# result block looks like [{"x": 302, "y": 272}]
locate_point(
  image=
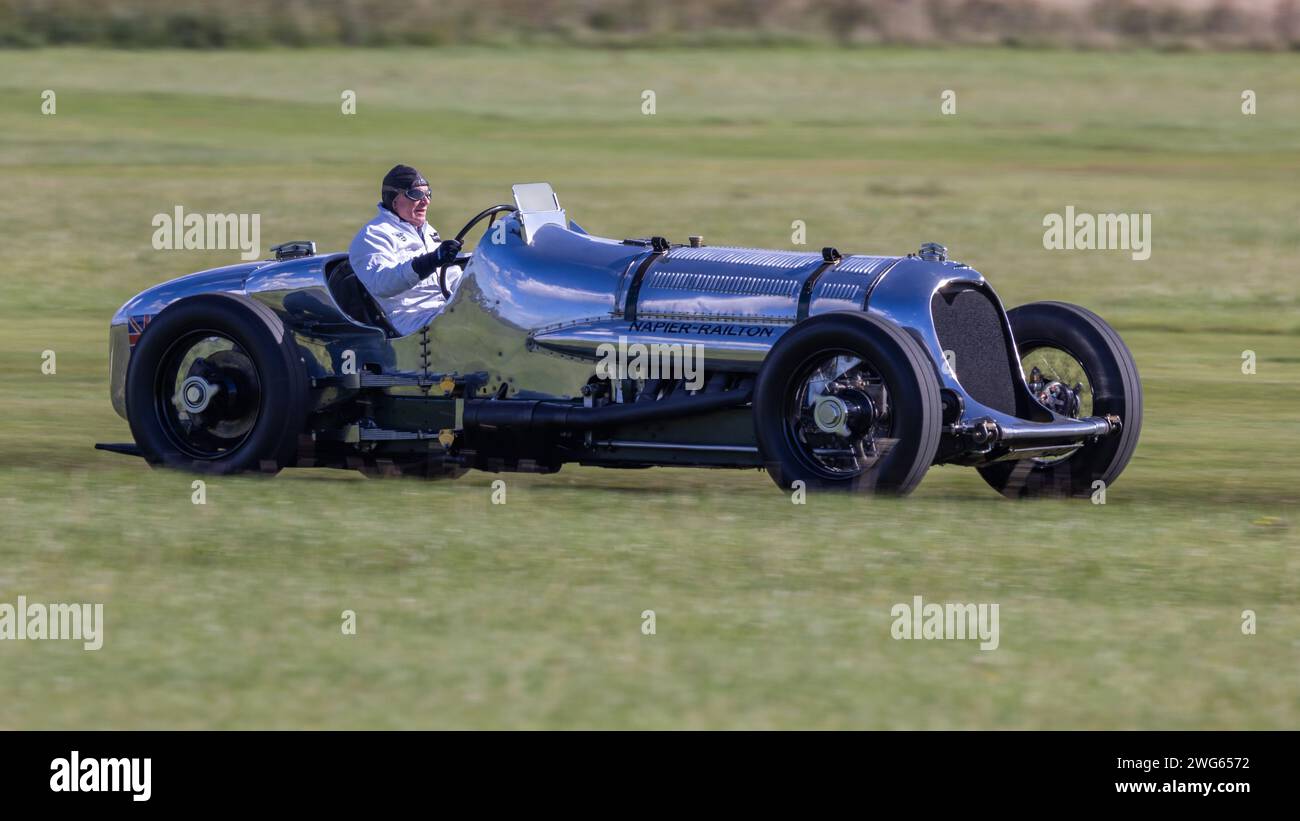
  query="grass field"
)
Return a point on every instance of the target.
[{"x": 528, "y": 614}]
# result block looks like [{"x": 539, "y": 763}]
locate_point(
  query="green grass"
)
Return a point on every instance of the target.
[{"x": 768, "y": 614}]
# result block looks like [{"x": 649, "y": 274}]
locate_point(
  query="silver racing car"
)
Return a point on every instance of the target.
[{"x": 829, "y": 371}]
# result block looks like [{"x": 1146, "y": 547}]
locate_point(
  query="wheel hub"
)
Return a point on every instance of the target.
[
  {"x": 196, "y": 393},
  {"x": 1054, "y": 395},
  {"x": 209, "y": 395},
  {"x": 844, "y": 414},
  {"x": 831, "y": 415},
  {"x": 838, "y": 409}
]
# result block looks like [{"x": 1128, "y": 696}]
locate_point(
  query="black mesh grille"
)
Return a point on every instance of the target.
[{"x": 968, "y": 324}]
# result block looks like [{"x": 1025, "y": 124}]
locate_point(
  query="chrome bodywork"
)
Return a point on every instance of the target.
[
  {"x": 149, "y": 302},
  {"x": 904, "y": 296},
  {"x": 539, "y": 296}
]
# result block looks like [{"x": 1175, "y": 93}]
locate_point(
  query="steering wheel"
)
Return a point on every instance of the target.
[{"x": 479, "y": 217}]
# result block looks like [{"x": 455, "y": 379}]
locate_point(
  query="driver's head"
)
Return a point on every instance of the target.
[{"x": 406, "y": 194}]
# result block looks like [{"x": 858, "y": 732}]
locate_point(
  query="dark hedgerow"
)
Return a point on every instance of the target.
[{"x": 1264, "y": 24}]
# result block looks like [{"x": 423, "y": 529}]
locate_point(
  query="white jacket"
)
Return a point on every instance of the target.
[{"x": 381, "y": 255}]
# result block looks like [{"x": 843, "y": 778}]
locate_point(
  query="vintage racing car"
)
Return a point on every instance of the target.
[{"x": 837, "y": 372}]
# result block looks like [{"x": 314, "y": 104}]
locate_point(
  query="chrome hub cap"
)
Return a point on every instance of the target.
[
  {"x": 831, "y": 415},
  {"x": 196, "y": 393}
]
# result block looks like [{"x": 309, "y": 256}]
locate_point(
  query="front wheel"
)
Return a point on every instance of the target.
[
  {"x": 847, "y": 401},
  {"x": 1078, "y": 366},
  {"x": 215, "y": 386}
]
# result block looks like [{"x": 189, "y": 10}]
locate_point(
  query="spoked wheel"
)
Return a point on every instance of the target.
[
  {"x": 208, "y": 395},
  {"x": 847, "y": 401},
  {"x": 1060, "y": 383},
  {"x": 838, "y": 418},
  {"x": 1077, "y": 365},
  {"x": 215, "y": 385}
]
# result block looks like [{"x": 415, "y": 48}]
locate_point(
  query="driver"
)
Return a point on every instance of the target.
[{"x": 397, "y": 254}]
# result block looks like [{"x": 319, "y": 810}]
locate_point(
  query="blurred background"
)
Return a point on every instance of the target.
[
  {"x": 1260, "y": 24},
  {"x": 528, "y": 614}
]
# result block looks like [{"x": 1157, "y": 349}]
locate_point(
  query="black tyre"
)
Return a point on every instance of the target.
[
  {"x": 847, "y": 401},
  {"x": 1073, "y": 346},
  {"x": 215, "y": 385}
]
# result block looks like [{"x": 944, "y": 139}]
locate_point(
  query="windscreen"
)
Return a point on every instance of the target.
[{"x": 536, "y": 196}]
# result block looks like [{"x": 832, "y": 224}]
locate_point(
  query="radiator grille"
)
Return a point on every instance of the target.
[{"x": 969, "y": 325}]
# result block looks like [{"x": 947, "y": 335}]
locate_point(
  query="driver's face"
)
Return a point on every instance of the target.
[{"x": 413, "y": 211}]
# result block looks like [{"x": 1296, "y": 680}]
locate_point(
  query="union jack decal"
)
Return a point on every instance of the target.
[{"x": 135, "y": 326}]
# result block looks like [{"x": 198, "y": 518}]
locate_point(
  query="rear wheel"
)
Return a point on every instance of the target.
[
  {"x": 1078, "y": 366},
  {"x": 215, "y": 386},
  {"x": 847, "y": 401}
]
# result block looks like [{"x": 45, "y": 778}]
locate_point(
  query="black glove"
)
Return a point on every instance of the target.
[
  {"x": 445, "y": 254},
  {"x": 447, "y": 251}
]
